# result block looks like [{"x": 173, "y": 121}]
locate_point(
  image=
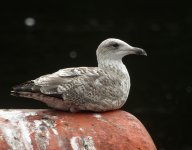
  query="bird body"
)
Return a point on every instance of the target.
[{"x": 101, "y": 88}]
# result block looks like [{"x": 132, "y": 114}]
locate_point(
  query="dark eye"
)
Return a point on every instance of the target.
[{"x": 115, "y": 45}]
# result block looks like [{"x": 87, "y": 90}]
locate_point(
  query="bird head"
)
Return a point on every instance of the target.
[{"x": 116, "y": 49}]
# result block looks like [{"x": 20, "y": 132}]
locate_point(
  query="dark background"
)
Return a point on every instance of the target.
[{"x": 67, "y": 33}]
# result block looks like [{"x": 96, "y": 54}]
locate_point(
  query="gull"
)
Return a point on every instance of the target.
[{"x": 97, "y": 89}]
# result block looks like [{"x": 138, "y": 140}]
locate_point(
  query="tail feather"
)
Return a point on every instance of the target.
[
  {"x": 30, "y": 87},
  {"x": 26, "y": 87}
]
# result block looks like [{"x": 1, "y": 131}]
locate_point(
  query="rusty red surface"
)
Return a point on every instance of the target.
[{"x": 57, "y": 130}]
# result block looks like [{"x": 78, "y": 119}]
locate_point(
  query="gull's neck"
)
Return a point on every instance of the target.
[{"x": 113, "y": 65}]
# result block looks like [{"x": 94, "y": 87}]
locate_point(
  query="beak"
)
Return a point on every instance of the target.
[{"x": 138, "y": 51}]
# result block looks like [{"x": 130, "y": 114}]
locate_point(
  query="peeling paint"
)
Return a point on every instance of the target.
[
  {"x": 48, "y": 130},
  {"x": 49, "y": 122},
  {"x": 42, "y": 131},
  {"x": 42, "y": 135},
  {"x": 12, "y": 139},
  {"x": 89, "y": 143},
  {"x": 55, "y": 131},
  {"x": 74, "y": 143},
  {"x": 83, "y": 143},
  {"x": 19, "y": 138},
  {"x": 37, "y": 123},
  {"x": 25, "y": 134},
  {"x": 17, "y": 131}
]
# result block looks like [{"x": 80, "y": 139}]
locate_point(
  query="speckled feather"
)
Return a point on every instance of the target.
[{"x": 101, "y": 88}]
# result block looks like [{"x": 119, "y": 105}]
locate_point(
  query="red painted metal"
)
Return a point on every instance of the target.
[{"x": 57, "y": 130}]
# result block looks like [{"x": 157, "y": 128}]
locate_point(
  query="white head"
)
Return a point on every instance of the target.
[{"x": 115, "y": 49}]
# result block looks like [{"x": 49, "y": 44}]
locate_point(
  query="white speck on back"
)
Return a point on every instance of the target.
[{"x": 98, "y": 116}]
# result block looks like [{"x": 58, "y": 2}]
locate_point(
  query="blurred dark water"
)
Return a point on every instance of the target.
[{"x": 39, "y": 37}]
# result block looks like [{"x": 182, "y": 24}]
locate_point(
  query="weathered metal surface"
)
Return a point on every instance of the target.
[{"x": 57, "y": 130}]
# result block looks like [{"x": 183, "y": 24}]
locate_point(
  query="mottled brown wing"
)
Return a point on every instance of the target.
[{"x": 77, "y": 84}]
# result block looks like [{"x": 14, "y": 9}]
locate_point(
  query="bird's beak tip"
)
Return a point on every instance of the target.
[
  {"x": 140, "y": 51},
  {"x": 144, "y": 53}
]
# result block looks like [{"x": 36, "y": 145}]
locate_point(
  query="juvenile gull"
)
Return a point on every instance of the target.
[{"x": 101, "y": 88}]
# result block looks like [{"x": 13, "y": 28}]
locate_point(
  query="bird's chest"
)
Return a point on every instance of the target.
[
  {"x": 123, "y": 84},
  {"x": 118, "y": 78}
]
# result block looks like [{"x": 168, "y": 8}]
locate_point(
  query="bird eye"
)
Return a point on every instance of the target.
[{"x": 115, "y": 45}]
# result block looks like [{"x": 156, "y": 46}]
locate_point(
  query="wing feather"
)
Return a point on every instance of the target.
[{"x": 72, "y": 83}]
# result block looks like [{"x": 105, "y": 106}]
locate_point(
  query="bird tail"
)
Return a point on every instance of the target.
[
  {"x": 28, "y": 86},
  {"x": 30, "y": 90}
]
